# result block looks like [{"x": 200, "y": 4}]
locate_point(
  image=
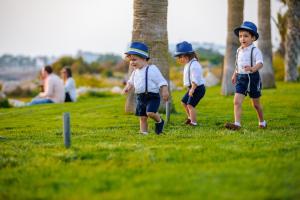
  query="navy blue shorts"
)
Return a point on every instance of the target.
[
  {"x": 147, "y": 103},
  {"x": 242, "y": 82},
  {"x": 197, "y": 96}
]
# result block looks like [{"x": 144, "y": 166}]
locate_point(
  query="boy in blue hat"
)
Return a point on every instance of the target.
[
  {"x": 246, "y": 76},
  {"x": 192, "y": 79},
  {"x": 147, "y": 82}
]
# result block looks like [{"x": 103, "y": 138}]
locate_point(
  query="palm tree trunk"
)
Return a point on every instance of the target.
[
  {"x": 234, "y": 19},
  {"x": 150, "y": 27},
  {"x": 265, "y": 44},
  {"x": 292, "y": 42}
]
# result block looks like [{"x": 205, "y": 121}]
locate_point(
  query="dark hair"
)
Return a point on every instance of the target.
[
  {"x": 68, "y": 71},
  {"x": 191, "y": 55},
  {"x": 251, "y": 33},
  {"x": 147, "y": 59},
  {"x": 48, "y": 69}
]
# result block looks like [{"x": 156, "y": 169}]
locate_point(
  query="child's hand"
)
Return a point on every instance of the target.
[
  {"x": 125, "y": 90},
  {"x": 233, "y": 79},
  {"x": 247, "y": 68},
  {"x": 165, "y": 93},
  {"x": 191, "y": 92}
]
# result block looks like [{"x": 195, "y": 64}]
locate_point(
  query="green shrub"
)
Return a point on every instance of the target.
[
  {"x": 108, "y": 73},
  {"x": 19, "y": 92},
  {"x": 278, "y": 64},
  {"x": 95, "y": 94},
  {"x": 4, "y": 103}
]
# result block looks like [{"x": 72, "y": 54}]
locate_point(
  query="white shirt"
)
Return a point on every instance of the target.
[
  {"x": 54, "y": 89},
  {"x": 70, "y": 87},
  {"x": 196, "y": 73},
  {"x": 243, "y": 58},
  {"x": 155, "y": 79}
]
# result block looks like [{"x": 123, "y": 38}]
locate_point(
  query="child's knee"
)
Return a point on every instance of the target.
[
  {"x": 143, "y": 118},
  {"x": 189, "y": 106},
  {"x": 151, "y": 114},
  {"x": 237, "y": 102},
  {"x": 256, "y": 105}
]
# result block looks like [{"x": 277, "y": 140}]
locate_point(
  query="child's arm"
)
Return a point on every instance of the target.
[
  {"x": 161, "y": 82},
  {"x": 192, "y": 90},
  {"x": 233, "y": 78},
  {"x": 129, "y": 84},
  {"x": 255, "y": 68},
  {"x": 127, "y": 88},
  {"x": 164, "y": 92}
]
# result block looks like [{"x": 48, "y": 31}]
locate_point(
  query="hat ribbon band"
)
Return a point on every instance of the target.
[{"x": 139, "y": 51}]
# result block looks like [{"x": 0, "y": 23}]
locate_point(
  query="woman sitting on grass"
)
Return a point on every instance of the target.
[{"x": 69, "y": 82}]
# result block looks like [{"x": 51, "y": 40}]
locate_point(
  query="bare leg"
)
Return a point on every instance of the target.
[
  {"x": 192, "y": 112},
  {"x": 154, "y": 116},
  {"x": 238, "y": 100},
  {"x": 256, "y": 104},
  {"x": 143, "y": 124},
  {"x": 186, "y": 110}
]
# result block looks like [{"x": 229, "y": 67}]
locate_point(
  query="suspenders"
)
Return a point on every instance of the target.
[
  {"x": 251, "y": 56},
  {"x": 251, "y": 65},
  {"x": 189, "y": 72},
  {"x": 146, "y": 80},
  {"x": 236, "y": 58}
]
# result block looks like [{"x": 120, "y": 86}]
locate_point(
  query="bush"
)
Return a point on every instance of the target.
[
  {"x": 108, "y": 73},
  {"x": 22, "y": 92},
  {"x": 278, "y": 64},
  {"x": 94, "y": 94},
  {"x": 4, "y": 103}
]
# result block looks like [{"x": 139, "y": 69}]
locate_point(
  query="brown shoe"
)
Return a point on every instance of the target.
[
  {"x": 232, "y": 126},
  {"x": 187, "y": 121}
]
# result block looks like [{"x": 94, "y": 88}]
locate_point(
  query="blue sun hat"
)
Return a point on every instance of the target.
[
  {"x": 183, "y": 48},
  {"x": 248, "y": 26},
  {"x": 138, "y": 48}
]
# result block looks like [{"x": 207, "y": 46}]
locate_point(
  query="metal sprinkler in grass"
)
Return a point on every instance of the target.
[
  {"x": 66, "y": 129},
  {"x": 167, "y": 112}
]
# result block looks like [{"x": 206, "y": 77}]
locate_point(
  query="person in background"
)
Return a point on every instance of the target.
[
  {"x": 70, "y": 86},
  {"x": 41, "y": 81},
  {"x": 53, "y": 89},
  {"x": 192, "y": 79}
]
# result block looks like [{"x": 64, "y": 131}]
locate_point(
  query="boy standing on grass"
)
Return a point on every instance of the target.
[
  {"x": 147, "y": 82},
  {"x": 192, "y": 79},
  {"x": 246, "y": 76}
]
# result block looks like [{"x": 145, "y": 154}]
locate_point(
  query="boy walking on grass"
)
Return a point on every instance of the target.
[
  {"x": 192, "y": 79},
  {"x": 147, "y": 82},
  {"x": 246, "y": 76}
]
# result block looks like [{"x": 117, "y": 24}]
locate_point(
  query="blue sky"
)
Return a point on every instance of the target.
[{"x": 62, "y": 27}]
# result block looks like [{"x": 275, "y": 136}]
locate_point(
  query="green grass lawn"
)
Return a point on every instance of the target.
[{"x": 109, "y": 159}]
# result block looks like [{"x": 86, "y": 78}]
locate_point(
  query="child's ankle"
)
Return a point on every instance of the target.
[{"x": 144, "y": 132}]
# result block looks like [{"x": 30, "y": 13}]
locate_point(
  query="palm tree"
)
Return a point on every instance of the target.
[
  {"x": 265, "y": 44},
  {"x": 150, "y": 27},
  {"x": 281, "y": 24},
  {"x": 292, "y": 42},
  {"x": 234, "y": 19}
]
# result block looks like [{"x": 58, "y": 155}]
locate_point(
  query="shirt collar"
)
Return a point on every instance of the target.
[
  {"x": 190, "y": 61},
  {"x": 247, "y": 48}
]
